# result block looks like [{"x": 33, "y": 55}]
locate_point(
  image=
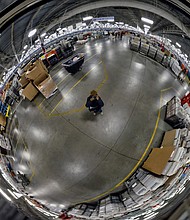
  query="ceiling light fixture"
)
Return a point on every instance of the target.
[
  {"x": 147, "y": 20},
  {"x": 146, "y": 26},
  {"x": 25, "y": 47},
  {"x": 58, "y": 29},
  {"x": 87, "y": 18},
  {"x": 42, "y": 35},
  {"x": 178, "y": 44},
  {"x": 32, "y": 32}
]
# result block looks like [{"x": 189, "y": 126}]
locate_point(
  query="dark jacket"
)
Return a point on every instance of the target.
[{"x": 95, "y": 104}]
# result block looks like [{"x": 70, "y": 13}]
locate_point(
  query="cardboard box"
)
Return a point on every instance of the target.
[
  {"x": 39, "y": 63},
  {"x": 40, "y": 79},
  {"x": 36, "y": 69},
  {"x": 169, "y": 138},
  {"x": 158, "y": 159},
  {"x": 34, "y": 73},
  {"x": 2, "y": 120},
  {"x": 26, "y": 67},
  {"x": 24, "y": 81},
  {"x": 47, "y": 87},
  {"x": 30, "y": 91}
]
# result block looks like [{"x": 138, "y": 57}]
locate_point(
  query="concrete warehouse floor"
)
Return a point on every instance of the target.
[{"x": 72, "y": 156}]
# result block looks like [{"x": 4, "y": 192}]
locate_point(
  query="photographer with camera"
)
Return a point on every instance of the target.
[{"x": 94, "y": 103}]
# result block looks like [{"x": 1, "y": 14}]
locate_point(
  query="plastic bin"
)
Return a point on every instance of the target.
[{"x": 74, "y": 64}]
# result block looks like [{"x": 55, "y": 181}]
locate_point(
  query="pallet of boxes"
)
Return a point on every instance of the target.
[
  {"x": 173, "y": 154},
  {"x": 36, "y": 79}
]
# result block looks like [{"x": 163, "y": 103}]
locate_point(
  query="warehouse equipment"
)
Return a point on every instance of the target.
[
  {"x": 144, "y": 48},
  {"x": 74, "y": 64},
  {"x": 135, "y": 44},
  {"x": 152, "y": 52},
  {"x": 159, "y": 56}
]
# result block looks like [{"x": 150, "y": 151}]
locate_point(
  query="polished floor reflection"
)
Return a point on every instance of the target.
[{"x": 69, "y": 154}]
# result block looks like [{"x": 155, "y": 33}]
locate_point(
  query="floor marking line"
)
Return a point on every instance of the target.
[
  {"x": 66, "y": 76},
  {"x": 80, "y": 109},
  {"x": 63, "y": 79},
  {"x": 33, "y": 174},
  {"x": 40, "y": 109},
  {"x": 90, "y": 57},
  {"x": 163, "y": 90},
  {"x": 72, "y": 111},
  {"x": 74, "y": 87},
  {"x": 105, "y": 78},
  {"x": 142, "y": 157},
  {"x": 176, "y": 91},
  {"x": 22, "y": 156}
]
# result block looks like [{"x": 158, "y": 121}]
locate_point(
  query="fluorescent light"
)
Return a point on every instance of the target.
[
  {"x": 186, "y": 55},
  {"x": 32, "y": 32},
  {"x": 5, "y": 195},
  {"x": 147, "y": 20},
  {"x": 42, "y": 35},
  {"x": 178, "y": 44},
  {"x": 58, "y": 29},
  {"x": 25, "y": 46},
  {"x": 87, "y": 18},
  {"x": 169, "y": 40},
  {"x": 146, "y": 26}
]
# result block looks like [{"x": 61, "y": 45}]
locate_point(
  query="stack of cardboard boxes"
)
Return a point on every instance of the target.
[
  {"x": 164, "y": 175},
  {"x": 4, "y": 142},
  {"x": 135, "y": 44},
  {"x": 36, "y": 79},
  {"x": 168, "y": 159},
  {"x": 175, "y": 113},
  {"x": 3, "y": 122}
]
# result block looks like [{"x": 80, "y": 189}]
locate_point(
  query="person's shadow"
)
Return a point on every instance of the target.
[{"x": 88, "y": 116}]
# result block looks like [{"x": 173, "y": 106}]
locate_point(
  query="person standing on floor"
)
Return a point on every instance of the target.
[{"x": 94, "y": 103}]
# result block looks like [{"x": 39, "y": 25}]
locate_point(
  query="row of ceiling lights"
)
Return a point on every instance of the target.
[
  {"x": 109, "y": 19},
  {"x": 33, "y": 32}
]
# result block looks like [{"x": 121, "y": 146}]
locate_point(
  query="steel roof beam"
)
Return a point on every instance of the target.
[
  {"x": 121, "y": 3},
  {"x": 30, "y": 26},
  {"x": 180, "y": 5}
]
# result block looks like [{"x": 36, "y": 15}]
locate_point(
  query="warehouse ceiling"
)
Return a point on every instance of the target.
[{"x": 17, "y": 18}]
